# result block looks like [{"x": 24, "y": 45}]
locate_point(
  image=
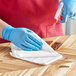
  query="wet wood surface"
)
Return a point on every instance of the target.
[{"x": 65, "y": 45}]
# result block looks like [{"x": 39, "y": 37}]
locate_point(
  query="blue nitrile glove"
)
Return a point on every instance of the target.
[
  {"x": 69, "y": 9},
  {"x": 21, "y": 37}
]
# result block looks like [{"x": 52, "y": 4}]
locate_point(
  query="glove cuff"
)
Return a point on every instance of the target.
[{"x": 6, "y": 32}]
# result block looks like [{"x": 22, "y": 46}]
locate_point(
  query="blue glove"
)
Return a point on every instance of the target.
[
  {"x": 22, "y": 38},
  {"x": 69, "y": 9}
]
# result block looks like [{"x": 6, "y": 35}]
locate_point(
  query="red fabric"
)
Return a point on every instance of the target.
[{"x": 37, "y": 15}]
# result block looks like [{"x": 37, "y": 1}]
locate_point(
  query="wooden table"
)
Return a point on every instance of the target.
[{"x": 66, "y": 66}]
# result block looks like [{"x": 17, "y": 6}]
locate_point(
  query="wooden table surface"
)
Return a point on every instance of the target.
[{"x": 66, "y": 45}]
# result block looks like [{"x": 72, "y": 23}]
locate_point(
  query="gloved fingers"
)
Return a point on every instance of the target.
[
  {"x": 28, "y": 45},
  {"x": 74, "y": 15},
  {"x": 64, "y": 15},
  {"x": 35, "y": 39},
  {"x": 25, "y": 48},
  {"x": 33, "y": 43},
  {"x": 70, "y": 15}
]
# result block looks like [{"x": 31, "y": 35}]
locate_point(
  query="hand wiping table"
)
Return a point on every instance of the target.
[{"x": 44, "y": 56}]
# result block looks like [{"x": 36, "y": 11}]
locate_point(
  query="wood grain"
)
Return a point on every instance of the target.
[{"x": 66, "y": 66}]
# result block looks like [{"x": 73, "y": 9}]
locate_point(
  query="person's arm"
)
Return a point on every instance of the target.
[
  {"x": 21, "y": 37},
  {"x": 2, "y": 25}
]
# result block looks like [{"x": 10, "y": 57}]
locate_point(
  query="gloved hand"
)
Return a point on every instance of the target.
[
  {"x": 22, "y": 38},
  {"x": 69, "y": 9}
]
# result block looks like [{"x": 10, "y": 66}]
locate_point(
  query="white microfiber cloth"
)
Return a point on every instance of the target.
[{"x": 44, "y": 56}]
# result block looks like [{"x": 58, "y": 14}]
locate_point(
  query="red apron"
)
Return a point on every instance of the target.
[{"x": 37, "y": 15}]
